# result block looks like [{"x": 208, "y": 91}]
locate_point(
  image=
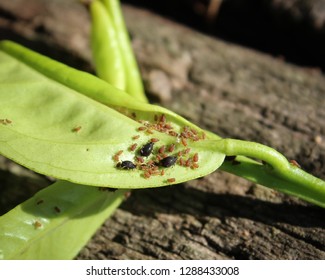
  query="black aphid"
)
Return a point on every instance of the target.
[
  {"x": 146, "y": 149},
  {"x": 168, "y": 161},
  {"x": 126, "y": 165}
]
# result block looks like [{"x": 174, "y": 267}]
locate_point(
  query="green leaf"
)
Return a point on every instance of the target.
[
  {"x": 56, "y": 222},
  {"x": 56, "y": 130}
]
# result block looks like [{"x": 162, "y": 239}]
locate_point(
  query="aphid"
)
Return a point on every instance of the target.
[
  {"x": 135, "y": 137},
  {"x": 146, "y": 149},
  {"x": 168, "y": 161},
  {"x": 126, "y": 165},
  {"x": 172, "y": 133},
  {"x": 203, "y": 136},
  {"x": 134, "y": 115},
  {"x": 295, "y": 163},
  {"x": 156, "y": 118},
  {"x": 154, "y": 140},
  {"x": 181, "y": 162},
  {"x": 116, "y": 157},
  {"x": 5, "y": 121},
  {"x": 180, "y": 153},
  {"x": 37, "y": 224},
  {"x": 162, "y": 172},
  {"x": 149, "y": 131},
  {"x": 187, "y": 151},
  {"x": 161, "y": 149},
  {"x": 168, "y": 126},
  {"x": 141, "y": 128},
  {"x": 171, "y": 148},
  {"x": 76, "y": 129},
  {"x": 146, "y": 175},
  {"x": 188, "y": 163},
  {"x": 39, "y": 201},
  {"x": 162, "y": 118},
  {"x": 139, "y": 159},
  {"x": 194, "y": 165},
  {"x": 57, "y": 209},
  {"x": 171, "y": 180},
  {"x": 196, "y": 157},
  {"x": 133, "y": 147},
  {"x": 184, "y": 142}
]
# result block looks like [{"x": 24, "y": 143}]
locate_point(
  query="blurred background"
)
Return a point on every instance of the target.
[{"x": 292, "y": 30}]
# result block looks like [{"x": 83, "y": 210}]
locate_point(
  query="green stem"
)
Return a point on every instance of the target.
[
  {"x": 278, "y": 173},
  {"x": 134, "y": 84}
]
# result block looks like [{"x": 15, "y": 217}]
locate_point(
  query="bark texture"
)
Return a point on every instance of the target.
[{"x": 232, "y": 91}]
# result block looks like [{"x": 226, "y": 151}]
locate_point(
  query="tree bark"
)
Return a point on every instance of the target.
[{"x": 232, "y": 91}]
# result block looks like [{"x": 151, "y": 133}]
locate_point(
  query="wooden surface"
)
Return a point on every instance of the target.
[{"x": 227, "y": 89}]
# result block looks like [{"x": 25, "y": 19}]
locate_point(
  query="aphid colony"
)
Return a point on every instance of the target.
[{"x": 153, "y": 159}]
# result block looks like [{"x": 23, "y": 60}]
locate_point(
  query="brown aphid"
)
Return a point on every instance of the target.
[
  {"x": 161, "y": 150},
  {"x": 146, "y": 175},
  {"x": 187, "y": 151},
  {"x": 171, "y": 148},
  {"x": 116, "y": 157},
  {"x": 180, "y": 153},
  {"x": 168, "y": 126},
  {"x": 142, "y": 128},
  {"x": 149, "y": 131},
  {"x": 194, "y": 165},
  {"x": 76, "y": 129},
  {"x": 37, "y": 224},
  {"x": 119, "y": 152},
  {"x": 162, "y": 118},
  {"x": 57, "y": 209},
  {"x": 39, "y": 201},
  {"x": 171, "y": 180},
  {"x": 154, "y": 140},
  {"x": 162, "y": 172},
  {"x": 135, "y": 137},
  {"x": 294, "y": 163},
  {"x": 196, "y": 157},
  {"x": 5, "y": 121},
  {"x": 188, "y": 162},
  {"x": 184, "y": 142},
  {"x": 172, "y": 133},
  {"x": 181, "y": 162},
  {"x": 133, "y": 147},
  {"x": 139, "y": 159}
]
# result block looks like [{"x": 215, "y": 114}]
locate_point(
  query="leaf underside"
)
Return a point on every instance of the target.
[{"x": 50, "y": 125}]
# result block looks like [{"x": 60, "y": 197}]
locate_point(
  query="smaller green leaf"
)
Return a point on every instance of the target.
[{"x": 55, "y": 223}]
